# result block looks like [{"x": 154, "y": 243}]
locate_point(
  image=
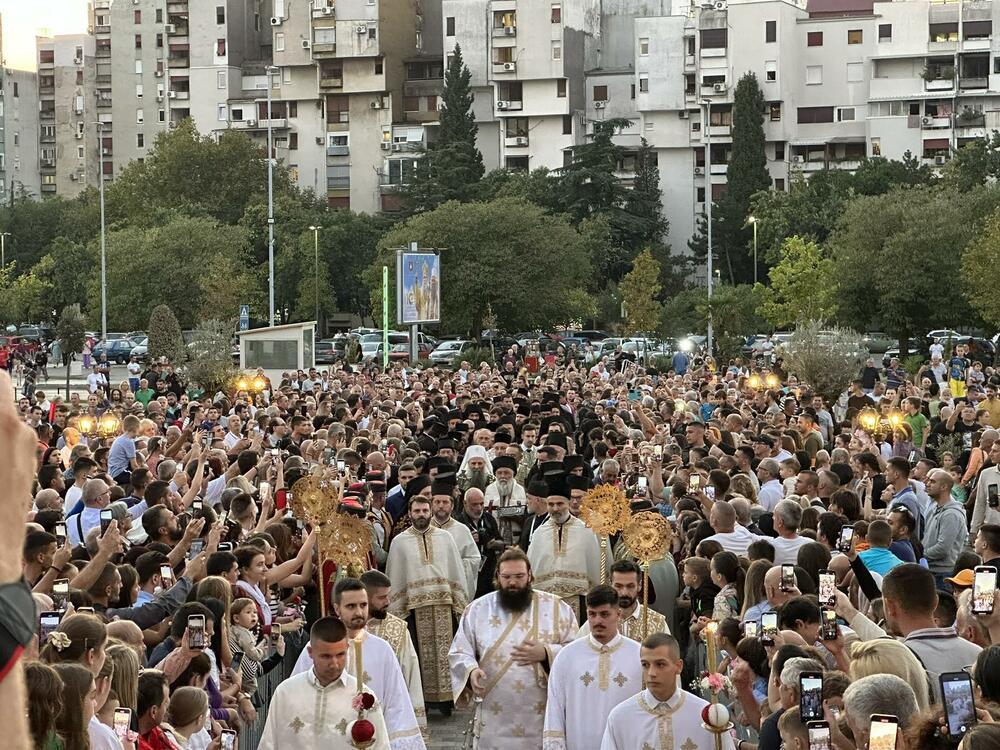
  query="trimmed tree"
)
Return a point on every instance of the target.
[
  {"x": 640, "y": 290},
  {"x": 211, "y": 365},
  {"x": 827, "y": 359},
  {"x": 165, "y": 338},
  {"x": 746, "y": 175},
  {"x": 71, "y": 332},
  {"x": 452, "y": 165}
]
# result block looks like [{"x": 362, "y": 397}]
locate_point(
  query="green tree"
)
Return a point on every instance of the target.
[
  {"x": 826, "y": 358},
  {"x": 640, "y": 290},
  {"x": 747, "y": 174},
  {"x": 505, "y": 255},
  {"x": 734, "y": 316},
  {"x": 71, "y": 334},
  {"x": 164, "y": 333},
  {"x": 644, "y": 202},
  {"x": 66, "y": 267},
  {"x": 976, "y": 163},
  {"x": 209, "y": 364},
  {"x": 877, "y": 175},
  {"x": 979, "y": 271},
  {"x": 803, "y": 286},
  {"x": 452, "y": 165}
]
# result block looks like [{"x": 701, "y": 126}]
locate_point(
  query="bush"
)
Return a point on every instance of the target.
[{"x": 165, "y": 338}]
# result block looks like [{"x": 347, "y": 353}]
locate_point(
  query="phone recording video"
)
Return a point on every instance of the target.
[
  {"x": 787, "y": 578},
  {"x": 827, "y": 588},
  {"x": 751, "y": 629},
  {"x": 846, "y": 541},
  {"x": 828, "y": 629},
  {"x": 60, "y": 532},
  {"x": 122, "y": 721},
  {"x": 882, "y": 732},
  {"x": 983, "y": 588},
  {"x": 48, "y": 622},
  {"x": 992, "y": 496},
  {"x": 768, "y": 627},
  {"x": 811, "y": 696},
  {"x": 959, "y": 705},
  {"x": 196, "y": 631},
  {"x": 819, "y": 735},
  {"x": 197, "y": 546},
  {"x": 228, "y": 739},
  {"x": 60, "y": 594},
  {"x": 167, "y": 574},
  {"x": 106, "y": 519}
]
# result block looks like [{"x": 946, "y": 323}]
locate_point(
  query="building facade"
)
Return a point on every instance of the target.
[{"x": 19, "y": 175}]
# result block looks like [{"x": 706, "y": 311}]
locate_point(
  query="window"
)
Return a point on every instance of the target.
[
  {"x": 557, "y": 50},
  {"x": 293, "y": 109},
  {"x": 220, "y": 13},
  {"x": 220, "y": 79},
  {"x": 138, "y": 91},
  {"x": 690, "y": 44},
  {"x": 223, "y": 113},
  {"x": 138, "y": 67},
  {"x": 845, "y": 114},
  {"x": 419, "y": 43},
  {"x": 943, "y": 32},
  {"x": 714, "y": 38},
  {"x": 814, "y": 39},
  {"x": 855, "y": 72},
  {"x": 775, "y": 110},
  {"x": 138, "y": 41},
  {"x": 46, "y": 56},
  {"x": 814, "y": 75},
  {"x": 779, "y": 151},
  {"x": 293, "y": 141},
  {"x": 140, "y": 140},
  {"x": 561, "y": 87},
  {"x": 977, "y": 29},
  {"x": 449, "y": 26},
  {"x": 779, "y": 184},
  {"x": 811, "y": 115},
  {"x": 722, "y": 116},
  {"x": 600, "y": 93},
  {"x": 885, "y": 32},
  {"x": 159, "y": 15},
  {"x": 855, "y": 36},
  {"x": 79, "y": 78},
  {"x": 411, "y": 103},
  {"x": 644, "y": 47},
  {"x": 770, "y": 70},
  {"x": 632, "y": 91},
  {"x": 137, "y": 17},
  {"x": 503, "y": 55},
  {"x": 644, "y": 84},
  {"x": 79, "y": 152},
  {"x": 371, "y": 32},
  {"x": 279, "y": 42},
  {"x": 159, "y": 41},
  {"x": 379, "y": 67},
  {"x": 237, "y": 114},
  {"x": 556, "y": 13},
  {"x": 770, "y": 32},
  {"x": 220, "y": 48},
  {"x": 138, "y": 116}
]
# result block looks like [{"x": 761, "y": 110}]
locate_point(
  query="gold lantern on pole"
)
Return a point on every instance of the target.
[
  {"x": 605, "y": 509},
  {"x": 647, "y": 536}
]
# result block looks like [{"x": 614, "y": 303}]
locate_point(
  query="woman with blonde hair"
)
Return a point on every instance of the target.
[
  {"x": 741, "y": 485},
  {"x": 887, "y": 656},
  {"x": 125, "y": 679},
  {"x": 186, "y": 716},
  {"x": 753, "y": 587}
]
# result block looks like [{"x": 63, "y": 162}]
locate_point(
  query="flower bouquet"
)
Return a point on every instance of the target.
[
  {"x": 361, "y": 730},
  {"x": 712, "y": 684}
]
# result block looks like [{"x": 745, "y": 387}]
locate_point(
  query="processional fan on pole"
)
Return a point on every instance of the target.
[
  {"x": 606, "y": 510},
  {"x": 343, "y": 540},
  {"x": 648, "y": 537}
]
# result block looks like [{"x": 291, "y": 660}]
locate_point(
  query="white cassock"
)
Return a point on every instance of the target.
[
  {"x": 307, "y": 716},
  {"x": 393, "y": 631},
  {"x": 496, "y": 503},
  {"x": 512, "y": 711},
  {"x": 587, "y": 680},
  {"x": 642, "y": 722},
  {"x": 631, "y": 626},
  {"x": 385, "y": 679},
  {"x": 566, "y": 560},
  {"x": 468, "y": 550}
]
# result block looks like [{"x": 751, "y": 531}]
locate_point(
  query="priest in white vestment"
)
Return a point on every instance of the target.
[
  {"x": 313, "y": 711},
  {"x": 381, "y": 670},
  {"x": 505, "y": 645},
  {"x": 428, "y": 591},
  {"x": 442, "y": 504},
  {"x": 393, "y": 631},
  {"x": 564, "y": 553},
  {"x": 506, "y": 500},
  {"x": 663, "y": 716},
  {"x": 626, "y": 580},
  {"x": 590, "y": 677}
]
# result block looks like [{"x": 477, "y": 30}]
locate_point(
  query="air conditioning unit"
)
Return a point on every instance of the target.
[
  {"x": 509, "y": 67},
  {"x": 319, "y": 140},
  {"x": 306, "y": 44},
  {"x": 327, "y": 11},
  {"x": 720, "y": 4},
  {"x": 386, "y": 146},
  {"x": 719, "y": 88},
  {"x": 361, "y": 28},
  {"x": 502, "y": 105},
  {"x": 171, "y": 125},
  {"x": 521, "y": 141},
  {"x": 925, "y": 121},
  {"x": 172, "y": 94},
  {"x": 683, "y": 114},
  {"x": 376, "y": 104},
  {"x": 397, "y": 146},
  {"x": 940, "y": 161},
  {"x": 796, "y": 159},
  {"x": 159, "y": 97},
  {"x": 78, "y": 61},
  {"x": 73, "y": 177},
  {"x": 600, "y": 105},
  {"x": 251, "y": 123},
  {"x": 105, "y": 152},
  {"x": 275, "y": 21},
  {"x": 159, "y": 74},
  {"x": 509, "y": 31},
  {"x": 171, "y": 28},
  {"x": 79, "y": 136},
  {"x": 699, "y": 170}
]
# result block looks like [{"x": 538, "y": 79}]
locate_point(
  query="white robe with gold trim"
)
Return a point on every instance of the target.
[
  {"x": 512, "y": 712},
  {"x": 631, "y": 626},
  {"x": 469, "y": 552},
  {"x": 587, "y": 680},
  {"x": 393, "y": 631},
  {"x": 568, "y": 565},
  {"x": 644, "y": 723}
]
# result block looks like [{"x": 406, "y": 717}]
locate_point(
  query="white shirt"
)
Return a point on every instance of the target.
[
  {"x": 231, "y": 439},
  {"x": 737, "y": 541},
  {"x": 134, "y": 369},
  {"x": 786, "y": 551},
  {"x": 73, "y": 495},
  {"x": 771, "y": 493},
  {"x": 102, "y": 737}
]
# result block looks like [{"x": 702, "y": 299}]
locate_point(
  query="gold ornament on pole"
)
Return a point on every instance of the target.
[
  {"x": 647, "y": 536},
  {"x": 606, "y": 510}
]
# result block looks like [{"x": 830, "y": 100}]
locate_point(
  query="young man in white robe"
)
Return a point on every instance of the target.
[
  {"x": 626, "y": 580},
  {"x": 381, "y": 670},
  {"x": 502, "y": 652},
  {"x": 313, "y": 710},
  {"x": 442, "y": 504},
  {"x": 564, "y": 553},
  {"x": 663, "y": 716},
  {"x": 590, "y": 677}
]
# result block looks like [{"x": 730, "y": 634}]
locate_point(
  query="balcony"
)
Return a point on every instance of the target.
[
  {"x": 48, "y": 187},
  {"x": 182, "y": 95},
  {"x": 504, "y": 67},
  {"x": 338, "y": 150},
  {"x": 714, "y": 51},
  {"x": 517, "y": 141},
  {"x": 325, "y": 11},
  {"x": 47, "y": 114},
  {"x": 276, "y": 123},
  {"x": 178, "y": 61},
  {"x": 509, "y": 105},
  {"x": 939, "y": 84},
  {"x": 504, "y": 31},
  {"x": 324, "y": 49},
  {"x": 47, "y": 163},
  {"x": 103, "y": 103},
  {"x": 178, "y": 6},
  {"x": 967, "y": 83},
  {"x": 331, "y": 82},
  {"x": 102, "y": 29},
  {"x": 720, "y": 131},
  {"x": 929, "y": 122},
  {"x": 103, "y": 50}
]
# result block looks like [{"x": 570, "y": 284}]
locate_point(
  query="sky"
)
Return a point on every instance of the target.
[{"x": 24, "y": 19}]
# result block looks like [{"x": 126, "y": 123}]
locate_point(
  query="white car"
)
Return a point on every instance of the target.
[{"x": 448, "y": 351}]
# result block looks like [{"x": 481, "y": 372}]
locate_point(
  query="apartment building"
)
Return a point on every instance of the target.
[{"x": 18, "y": 134}]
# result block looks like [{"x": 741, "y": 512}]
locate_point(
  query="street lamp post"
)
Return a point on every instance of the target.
[
  {"x": 753, "y": 221},
  {"x": 270, "y": 202},
  {"x": 3, "y": 249},
  {"x": 315, "y": 231},
  {"x": 706, "y": 128},
  {"x": 104, "y": 247}
]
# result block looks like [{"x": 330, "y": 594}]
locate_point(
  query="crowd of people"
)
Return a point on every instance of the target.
[{"x": 170, "y": 573}]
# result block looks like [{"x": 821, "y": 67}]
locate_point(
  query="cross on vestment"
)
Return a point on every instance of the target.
[
  {"x": 689, "y": 744},
  {"x": 518, "y": 686},
  {"x": 586, "y": 678},
  {"x": 495, "y": 621},
  {"x": 341, "y": 726},
  {"x": 620, "y": 679},
  {"x": 296, "y": 725}
]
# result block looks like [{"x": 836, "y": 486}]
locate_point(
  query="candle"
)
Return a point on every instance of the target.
[
  {"x": 713, "y": 652},
  {"x": 358, "y": 669}
]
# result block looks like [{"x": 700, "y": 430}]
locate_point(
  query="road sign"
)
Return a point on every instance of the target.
[{"x": 244, "y": 317}]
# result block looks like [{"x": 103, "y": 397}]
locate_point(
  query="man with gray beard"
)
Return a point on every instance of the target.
[
  {"x": 506, "y": 500},
  {"x": 476, "y": 470}
]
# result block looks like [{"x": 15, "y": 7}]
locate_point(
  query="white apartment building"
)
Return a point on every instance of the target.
[{"x": 18, "y": 134}]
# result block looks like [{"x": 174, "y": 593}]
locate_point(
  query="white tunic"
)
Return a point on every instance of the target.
[
  {"x": 385, "y": 679},
  {"x": 587, "y": 680},
  {"x": 566, "y": 561},
  {"x": 469, "y": 552},
  {"x": 307, "y": 716},
  {"x": 644, "y": 723}
]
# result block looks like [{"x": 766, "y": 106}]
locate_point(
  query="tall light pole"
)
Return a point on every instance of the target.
[
  {"x": 3, "y": 249},
  {"x": 753, "y": 221},
  {"x": 270, "y": 202},
  {"x": 104, "y": 247},
  {"x": 707, "y": 129},
  {"x": 315, "y": 231}
]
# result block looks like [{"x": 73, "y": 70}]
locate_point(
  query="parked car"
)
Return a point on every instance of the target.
[
  {"x": 941, "y": 334},
  {"x": 448, "y": 351},
  {"x": 401, "y": 352},
  {"x": 35, "y": 333},
  {"x": 141, "y": 349},
  {"x": 327, "y": 351},
  {"x": 878, "y": 342},
  {"x": 115, "y": 350},
  {"x": 915, "y": 347}
]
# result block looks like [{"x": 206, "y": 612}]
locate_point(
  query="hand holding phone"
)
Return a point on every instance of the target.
[
  {"x": 768, "y": 627},
  {"x": 122, "y": 722},
  {"x": 846, "y": 541},
  {"x": 787, "y": 578},
  {"x": 882, "y": 732},
  {"x": 827, "y": 589},
  {"x": 228, "y": 739},
  {"x": 196, "y": 631},
  {"x": 983, "y": 589},
  {"x": 959, "y": 703},
  {"x": 811, "y": 696}
]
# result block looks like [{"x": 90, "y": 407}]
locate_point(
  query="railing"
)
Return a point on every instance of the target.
[{"x": 250, "y": 735}]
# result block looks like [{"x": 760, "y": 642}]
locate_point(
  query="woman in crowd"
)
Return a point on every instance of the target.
[
  {"x": 188, "y": 719},
  {"x": 887, "y": 656},
  {"x": 79, "y": 704},
  {"x": 80, "y": 638},
  {"x": 44, "y": 695}
]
